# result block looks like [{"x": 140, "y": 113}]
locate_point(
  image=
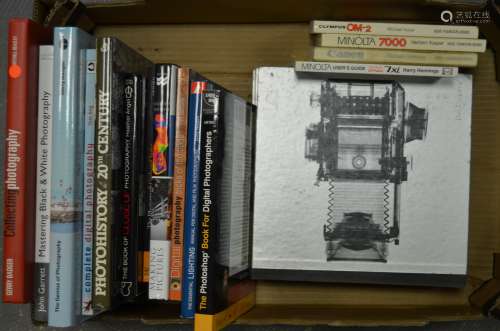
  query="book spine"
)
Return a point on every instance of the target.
[
  {"x": 20, "y": 179},
  {"x": 140, "y": 224},
  {"x": 207, "y": 301},
  {"x": 208, "y": 322},
  {"x": 88, "y": 180},
  {"x": 179, "y": 192},
  {"x": 395, "y": 29},
  {"x": 160, "y": 185},
  {"x": 395, "y": 57},
  {"x": 374, "y": 69},
  {"x": 401, "y": 43},
  {"x": 188, "y": 306},
  {"x": 144, "y": 153},
  {"x": 177, "y": 202},
  {"x": 132, "y": 95},
  {"x": 66, "y": 214},
  {"x": 103, "y": 203},
  {"x": 42, "y": 230}
]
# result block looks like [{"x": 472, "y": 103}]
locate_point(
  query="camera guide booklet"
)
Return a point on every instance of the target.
[{"x": 361, "y": 181}]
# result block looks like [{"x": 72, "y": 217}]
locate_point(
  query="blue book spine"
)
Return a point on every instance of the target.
[
  {"x": 188, "y": 304},
  {"x": 88, "y": 181},
  {"x": 67, "y": 177}
]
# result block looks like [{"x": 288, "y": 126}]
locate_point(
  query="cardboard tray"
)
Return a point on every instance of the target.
[{"x": 245, "y": 35}]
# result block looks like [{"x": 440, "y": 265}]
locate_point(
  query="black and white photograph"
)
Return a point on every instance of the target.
[{"x": 360, "y": 175}]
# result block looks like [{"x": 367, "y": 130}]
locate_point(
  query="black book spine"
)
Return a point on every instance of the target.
[
  {"x": 141, "y": 157},
  {"x": 103, "y": 191},
  {"x": 128, "y": 222},
  {"x": 207, "y": 278},
  {"x": 115, "y": 62},
  {"x": 144, "y": 142}
]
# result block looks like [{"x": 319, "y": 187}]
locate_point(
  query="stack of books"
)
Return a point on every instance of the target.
[
  {"x": 392, "y": 49},
  {"x": 125, "y": 180}
]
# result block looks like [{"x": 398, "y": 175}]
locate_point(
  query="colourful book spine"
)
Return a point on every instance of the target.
[
  {"x": 458, "y": 59},
  {"x": 179, "y": 185},
  {"x": 401, "y": 42},
  {"x": 20, "y": 158},
  {"x": 188, "y": 305},
  {"x": 66, "y": 214},
  {"x": 396, "y": 29},
  {"x": 42, "y": 230},
  {"x": 88, "y": 182},
  {"x": 160, "y": 185},
  {"x": 178, "y": 165}
]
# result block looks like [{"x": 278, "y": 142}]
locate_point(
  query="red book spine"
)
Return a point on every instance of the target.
[{"x": 20, "y": 159}]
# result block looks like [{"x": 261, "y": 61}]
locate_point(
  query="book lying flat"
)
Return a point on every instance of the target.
[
  {"x": 397, "y": 29},
  {"x": 435, "y": 58},
  {"x": 361, "y": 181},
  {"x": 402, "y": 42},
  {"x": 370, "y": 70}
]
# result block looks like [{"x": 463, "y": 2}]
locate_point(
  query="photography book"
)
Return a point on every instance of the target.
[
  {"x": 179, "y": 184},
  {"x": 66, "y": 211},
  {"x": 371, "y": 70},
  {"x": 194, "y": 83},
  {"x": 227, "y": 145},
  {"x": 161, "y": 145},
  {"x": 433, "y": 58},
  {"x": 401, "y": 42},
  {"x": 133, "y": 144},
  {"x": 24, "y": 38},
  {"x": 44, "y": 165},
  {"x": 88, "y": 182},
  {"x": 361, "y": 181},
  {"x": 115, "y": 63},
  {"x": 396, "y": 29}
]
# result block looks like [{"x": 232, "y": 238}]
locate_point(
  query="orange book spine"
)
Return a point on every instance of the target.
[{"x": 179, "y": 187}]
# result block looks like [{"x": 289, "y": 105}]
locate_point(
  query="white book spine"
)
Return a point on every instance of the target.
[
  {"x": 402, "y": 42},
  {"x": 374, "y": 69},
  {"x": 395, "y": 29},
  {"x": 159, "y": 269},
  {"x": 42, "y": 241},
  {"x": 395, "y": 56}
]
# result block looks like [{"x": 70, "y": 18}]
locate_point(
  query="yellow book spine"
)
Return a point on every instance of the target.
[
  {"x": 394, "y": 57},
  {"x": 204, "y": 322},
  {"x": 402, "y": 43}
]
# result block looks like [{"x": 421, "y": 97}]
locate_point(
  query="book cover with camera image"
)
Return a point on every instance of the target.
[{"x": 361, "y": 181}]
